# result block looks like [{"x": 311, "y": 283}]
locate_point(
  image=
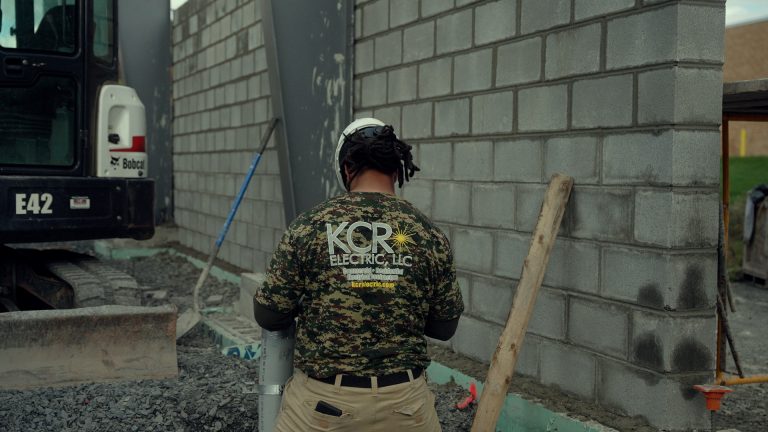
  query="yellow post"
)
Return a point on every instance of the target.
[{"x": 743, "y": 146}]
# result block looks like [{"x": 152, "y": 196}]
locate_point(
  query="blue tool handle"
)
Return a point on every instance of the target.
[
  {"x": 238, "y": 200},
  {"x": 244, "y": 186}
]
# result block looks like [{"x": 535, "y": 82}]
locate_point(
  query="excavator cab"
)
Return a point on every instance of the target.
[{"x": 73, "y": 162}]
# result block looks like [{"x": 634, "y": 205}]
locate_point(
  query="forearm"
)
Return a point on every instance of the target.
[
  {"x": 441, "y": 330},
  {"x": 270, "y": 320}
]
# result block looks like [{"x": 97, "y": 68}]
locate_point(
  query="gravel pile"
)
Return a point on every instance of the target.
[{"x": 175, "y": 277}]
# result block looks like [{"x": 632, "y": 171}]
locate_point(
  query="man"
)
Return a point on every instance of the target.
[{"x": 368, "y": 276}]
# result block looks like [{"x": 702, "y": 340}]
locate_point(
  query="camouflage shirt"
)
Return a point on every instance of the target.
[{"x": 368, "y": 270}]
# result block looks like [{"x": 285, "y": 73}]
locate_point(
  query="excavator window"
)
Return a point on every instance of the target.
[
  {"x": 38, "y": 116},
  {"x": 41, "y": 25}
]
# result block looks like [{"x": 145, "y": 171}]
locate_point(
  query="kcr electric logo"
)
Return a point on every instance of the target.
[{"x": 347, "y": 248}]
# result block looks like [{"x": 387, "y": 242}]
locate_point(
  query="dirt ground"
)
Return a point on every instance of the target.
[{"x": 209, "y": 394}]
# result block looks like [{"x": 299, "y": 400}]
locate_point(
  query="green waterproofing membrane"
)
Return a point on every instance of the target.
[{"x": 518, "y": 414}]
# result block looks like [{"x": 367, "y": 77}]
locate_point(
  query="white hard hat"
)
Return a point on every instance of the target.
[{"x": 353, "y": 127}]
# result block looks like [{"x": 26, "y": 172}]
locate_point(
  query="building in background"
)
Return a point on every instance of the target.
[{"x": 747, "y": 59}]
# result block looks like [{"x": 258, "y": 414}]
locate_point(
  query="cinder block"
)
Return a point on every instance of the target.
[
  {"x": 676, "y": 219},
  {"x": 588, "y": 8},
  {"x": 493, "y": 205},
  {"x": 275, "y": 216},
  {"x": 375, "y": 17},
  {"x": 695, "y": 158},
  {"x": 389, "y": 115},
  {"x": 528, "y": 359},
  {"x": 518, "y": 161},
  {"x": 677, "y": 32},
  {"x": 543, "y": 108},
  {"x": 648, "y": 37},
  {"x": 560, "y": 362},
  {"x": 465, "y": 285},
  {"x": 549, "y": 314},
  {"x": 403, "y": 12},
  {"x": 363, "y": 57},
  {"x": 476, "y": 339},
  {"x": 451, "y": 202},
  {"x": 518, "y": 62},
  {"x": 473, "y": 161},
  {"x": 575, "y": 156},
  {"x": 603, "y": 102},
  {"x": 638, "y": 158},
  {"x": 680, "y": 95},
  {"x": 667, "y": 402},
  {"x": 602, "y": 327},
  {"x": 389, "y": 50},
  {"x": 543, "y": 14},
  {"x": 493, "y": 113},
  {"x": 686, "y": 158},
  {"x": 452, "y": 117},
  {"x": 699, "y": 32},
  {"x": 419, "y": 41},
  {"x": 495, "y": 21},
  {"x": 434, "y": 7},
  {"x": 419, "y": 193},
  {"x": 454, "y": 32},
  {"x": 601, "y": 213},
  {"x": 435, "y": 77},
  {"x": 374, "y": 90},
  {"x": 573, "y": 51},
  {"x": 402, "y": 84},
  {"x": 473, "y": 249},
  {"x": 574, "y": 265},
  {"x": 511, "y": 250},
  {"x": 473, "y": 71},
  {"x": 492, "y": 299},
  {"x": 667, "y": 343},
  {"x": 436, "y": 160},
  {"x": 659, "y": 280},
  {"x": 358, "y": 23},
  {"x": 417, "y": 121},
  {"x": 267, "y": 240},
  {"x": 529, "y": 200}
]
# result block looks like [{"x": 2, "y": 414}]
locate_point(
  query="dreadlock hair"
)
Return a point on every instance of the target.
[{"x": 376, "y": 148}]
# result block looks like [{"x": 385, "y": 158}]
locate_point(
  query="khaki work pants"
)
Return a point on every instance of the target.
[{"x": 409, "y": 406}]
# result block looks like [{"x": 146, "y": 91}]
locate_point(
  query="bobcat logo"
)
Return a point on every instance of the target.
[{"x": 115, "y": 161}]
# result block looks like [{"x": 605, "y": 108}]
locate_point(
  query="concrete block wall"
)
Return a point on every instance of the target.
[
  {"x": 221, "y": 109},
  {"x": 623, "y": 95}
]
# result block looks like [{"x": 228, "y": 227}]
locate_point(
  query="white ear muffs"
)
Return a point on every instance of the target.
[{"x": 349, "y": 130}]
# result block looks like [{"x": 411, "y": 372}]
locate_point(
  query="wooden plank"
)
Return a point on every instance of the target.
[{"x": 511, "y": 339}]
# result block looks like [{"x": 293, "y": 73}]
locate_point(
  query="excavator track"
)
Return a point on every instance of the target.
[{"x": 80, "y": 321}]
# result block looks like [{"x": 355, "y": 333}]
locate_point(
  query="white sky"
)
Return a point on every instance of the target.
[
  {"x": 736, "y": 11},
  {"x": 742, "y": 11},
  {"x": 176, "y": 3}
]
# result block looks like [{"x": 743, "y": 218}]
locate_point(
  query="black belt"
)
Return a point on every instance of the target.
[{"x": 365, "y": 382}]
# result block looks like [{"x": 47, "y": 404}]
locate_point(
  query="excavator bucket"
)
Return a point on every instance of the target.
[{"x": 72, "y": 346}]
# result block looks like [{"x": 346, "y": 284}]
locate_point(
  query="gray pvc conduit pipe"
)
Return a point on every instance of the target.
[{"x": 275, "y": 367}]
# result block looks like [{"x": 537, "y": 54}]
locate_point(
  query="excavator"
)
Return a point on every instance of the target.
[{"x": 73, "y": 166}]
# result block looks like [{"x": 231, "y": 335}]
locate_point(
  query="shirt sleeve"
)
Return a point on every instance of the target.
[
  {"x": 284, "y": 284},
  {"x": 447, "y": 303}
]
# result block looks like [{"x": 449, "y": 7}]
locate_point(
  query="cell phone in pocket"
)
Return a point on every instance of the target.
[{"x": 326, "y": 408}]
